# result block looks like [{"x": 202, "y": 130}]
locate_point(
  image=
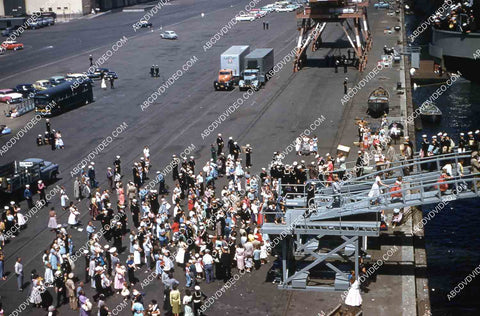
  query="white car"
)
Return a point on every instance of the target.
[
  {"x": 12, "y": 97},
  {"x": 285, "y": 9},
  {"x": 169, "y": 35},
  {"x": 245, "y": 17}
]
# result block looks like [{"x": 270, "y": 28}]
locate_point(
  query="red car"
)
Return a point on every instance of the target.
[{"x": 12, "y": 45}]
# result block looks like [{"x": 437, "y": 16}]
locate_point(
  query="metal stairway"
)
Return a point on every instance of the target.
[{"x": 355, "y": 216}]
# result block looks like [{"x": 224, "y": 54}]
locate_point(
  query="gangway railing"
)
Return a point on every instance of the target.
[{"x": 351, "y": 185}]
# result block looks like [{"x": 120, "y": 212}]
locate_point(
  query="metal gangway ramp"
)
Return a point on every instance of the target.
[{"x": 344, "y": 221}]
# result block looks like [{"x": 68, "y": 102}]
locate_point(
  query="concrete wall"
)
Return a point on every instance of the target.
[{"x": 73, "y": 7}]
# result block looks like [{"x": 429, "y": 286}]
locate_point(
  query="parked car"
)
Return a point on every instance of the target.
[
  {"x": 78, "y": 76},
  {"x": 107, "y": 73},
  {"x": 268, "y": 8},
  {"x": 2, "y": 50},
  {"x": 26, "y": 89},
  {"x": 56, "y": 80},
  {"x": 42, "y": 21},
  {"x": 169, "y": 35},
  {"x": 245, "y": 17},
  {"x": 42, "y": 84},
  {"x": 12, "y": 45},
  {"x": 33, "y": 24},
  {"x": 4, "y": 130},
  {"x": 49, "y": 20},
  {"x": 10, "y": 96},
  {"x": 382, "y": 5},
  {"x": 144, "y": 23},
  {"x": 9, "y": 31},
  {"x": 287, "y": 8}
]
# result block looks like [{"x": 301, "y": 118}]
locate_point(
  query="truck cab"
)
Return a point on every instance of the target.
[
  {"x": 250, "y": 79},
  {"x": 15, "y": 175},
  {"x": 225, "y": 80}
]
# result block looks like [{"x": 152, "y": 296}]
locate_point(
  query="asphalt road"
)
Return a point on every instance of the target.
[{"x": 269, "y": 120}]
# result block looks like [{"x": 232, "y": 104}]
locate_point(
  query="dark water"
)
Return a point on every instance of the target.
[{"x": 453, "y": 235}]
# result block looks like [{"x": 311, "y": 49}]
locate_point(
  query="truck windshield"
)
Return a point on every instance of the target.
[
  {"x": 250, "y": 72},
  {"x": 41, "y": 102},
  {"x": 224, "y": 73}
]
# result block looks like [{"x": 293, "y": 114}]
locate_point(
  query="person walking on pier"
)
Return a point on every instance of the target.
[
  {"x": 157, "y": 71},
  {"x": 337, "y": 62},
  {"x": 345, "y": 87},
  {"x": 264, "y": 25},
  {"x": 91, "y": 60},
  {"x": 152, "y": 71},
  {"x": 19, "y": 273}
]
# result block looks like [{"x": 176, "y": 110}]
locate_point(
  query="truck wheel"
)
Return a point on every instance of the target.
[
  {"x": 53, "y": 176},
  {"x": 215, "y": 87}
]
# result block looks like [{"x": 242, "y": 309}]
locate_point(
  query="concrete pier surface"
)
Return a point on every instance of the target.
[{"x": 269, "y": 120}]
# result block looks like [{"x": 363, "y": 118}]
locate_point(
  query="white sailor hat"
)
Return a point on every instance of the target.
[
  {"x": 118, "y": 157},
  {"x": 6, "y": 207},
  {"x": 106, "y": 246},
  {"x": 424, "y": 136},
  {"x": 235, "y": 143},
  {"x": 445, "y": 134},
  {"x": 12, "y": 202},
  {"x": 27, "y": 186},
  {"x": 439, "y": 134},
  {"x": 434, "y": 137},
  {"x": 406, "y": 137},
  {"x": 85, "y": 252},
  {"x": 219, "y": 134},
  {"x": 112, "y": 250},
  {"x": 462, "y": 134},
  {"x": 39, "y": 181},
  {"x": 158, "y": 172},
  {"x": 477, "y": 131},
  {"x": 92, "y": 163},
  {"x": 470, "y": 133},
  {"x": 359, "y": 151},
  {"x": 191, "y": 157},
  {"x": 141, "y": 158},
  {"x": 39, "y": 135}
]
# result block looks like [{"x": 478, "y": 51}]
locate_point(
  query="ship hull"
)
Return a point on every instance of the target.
[{"x": 458, "y": 51}]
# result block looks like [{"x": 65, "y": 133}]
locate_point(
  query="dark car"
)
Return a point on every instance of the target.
[
  {"x": 107, "y": 74},
  {"x": 9, "y": 31},
  {"x": 26, "y": 89}
]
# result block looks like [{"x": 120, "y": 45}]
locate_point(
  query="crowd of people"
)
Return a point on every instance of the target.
[
  {"x": 458, "y": 17},
  {"x": 205, "y": 225},
  {"x": 138, "y": 228}
]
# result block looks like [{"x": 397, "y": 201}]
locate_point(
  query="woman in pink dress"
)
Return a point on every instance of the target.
[
  {"x": 119, "y": 278},
  {"x": 240, "y": 257},
  {"x": 121, "y": 194}
]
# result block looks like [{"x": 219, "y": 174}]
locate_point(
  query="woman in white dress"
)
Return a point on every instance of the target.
[
  {"x": 20, "y": 218},
  {"x": 37, "y": 289},
  {"x": 187, "y": 303},
  {"x": 48, "y": 274},
  {"x": 353, "y": 297},
  {"x": 137, "y": 257},
  {"x": 72, "y": 218},
  {"x": 298, "y": 145},
  {"x": 52, "y": 222},
  {"x": 59, "y": 141},
  {"x": 375, "y": 190}
]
